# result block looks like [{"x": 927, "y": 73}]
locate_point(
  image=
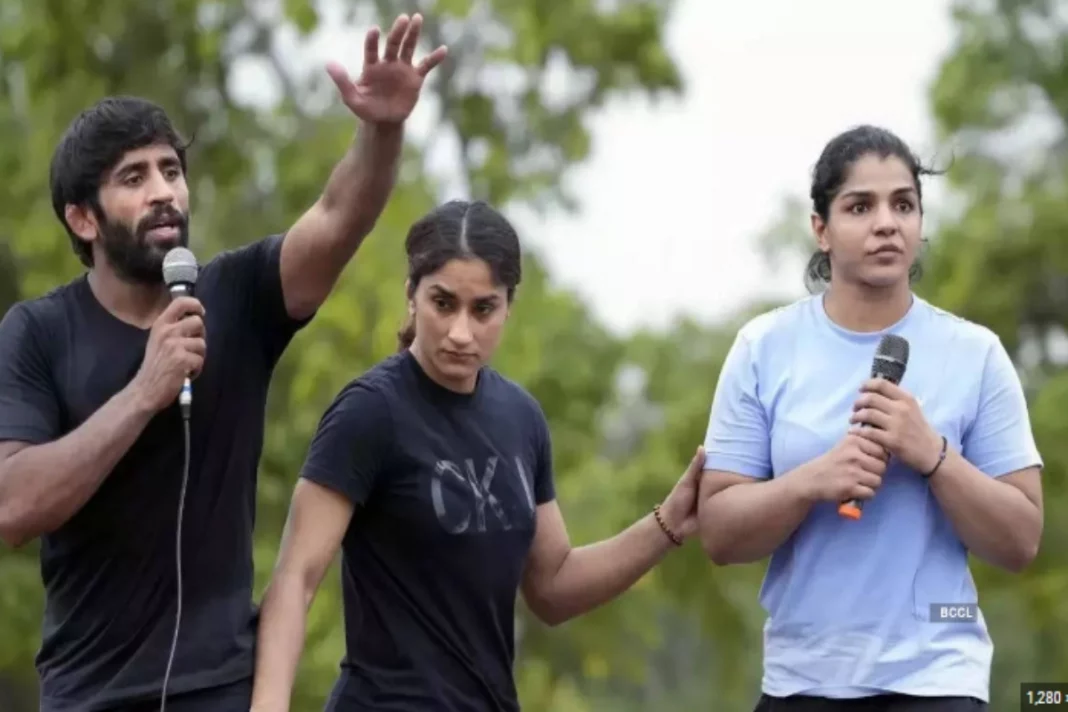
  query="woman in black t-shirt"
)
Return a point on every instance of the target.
[{"x": 433, "y": 473}]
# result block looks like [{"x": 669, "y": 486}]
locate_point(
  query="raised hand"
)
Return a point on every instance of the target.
[{"x": 388, "y": 88}]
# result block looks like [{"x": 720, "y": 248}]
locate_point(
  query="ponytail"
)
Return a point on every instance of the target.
[{"x": 406, "y": 335}]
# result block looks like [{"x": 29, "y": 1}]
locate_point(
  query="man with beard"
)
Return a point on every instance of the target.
[{"x": 92, "y": 451}]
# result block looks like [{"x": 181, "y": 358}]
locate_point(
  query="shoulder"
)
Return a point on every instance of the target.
[
  {"x": 377, "y": 385},
  {"x": 256, "y": 252},
  {"x": 508, "y": 394},
  {"x": 963, "y": 335},
  {"x": 41, "y": 316},
  {"x": 775, "y": 328}
]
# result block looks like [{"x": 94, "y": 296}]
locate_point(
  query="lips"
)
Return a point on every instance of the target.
[
  {"x": 887, "y": 250},
  {"x": 165, "y": 225}
]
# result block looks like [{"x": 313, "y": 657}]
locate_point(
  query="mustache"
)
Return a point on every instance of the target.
[{"x": 166, "y": 216}]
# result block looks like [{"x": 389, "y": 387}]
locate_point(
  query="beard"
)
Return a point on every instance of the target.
[{"x": 132, "y": 255}]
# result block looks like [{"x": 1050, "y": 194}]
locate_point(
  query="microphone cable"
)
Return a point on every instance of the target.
[{"x": 184, "y": 401}]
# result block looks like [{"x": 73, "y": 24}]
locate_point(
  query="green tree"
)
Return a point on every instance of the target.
[{"x": 1001, "y": 103}]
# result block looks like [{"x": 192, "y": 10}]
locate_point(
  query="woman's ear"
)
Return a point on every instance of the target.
[{"x": 819, "y": 229}]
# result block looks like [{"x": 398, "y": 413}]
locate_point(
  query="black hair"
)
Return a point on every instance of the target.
[
  {"x": 460, "y": 229},
  {"x": 94, "y": 143},
  {"x": 832, "y": 170}
]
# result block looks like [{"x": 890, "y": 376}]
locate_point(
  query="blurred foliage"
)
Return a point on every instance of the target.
[{"x": 626, "y": 413}]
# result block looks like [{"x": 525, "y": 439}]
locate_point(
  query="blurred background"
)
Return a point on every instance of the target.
[{"x": 655, "y": 155}]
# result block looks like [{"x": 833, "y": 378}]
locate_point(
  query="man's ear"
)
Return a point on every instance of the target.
[{"x": 82, "y": 222}]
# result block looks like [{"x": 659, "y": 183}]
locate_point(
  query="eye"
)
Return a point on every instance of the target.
[
  {"x": 132, "y": 180},
  {"x": 905, "y": 206},
  {"x": 485, "y": 309},
  {"x": 858, "y": 208},
  {"x": 172, "y": 173},
  {"x": 441, "y": 303}
]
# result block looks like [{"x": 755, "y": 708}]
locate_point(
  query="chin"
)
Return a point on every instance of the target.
[
  {"x": 458, "y": 372},
  {"x": 885, "y": 278}
]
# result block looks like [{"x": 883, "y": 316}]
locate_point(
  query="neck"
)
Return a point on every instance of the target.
[
  {"x": 465, "y": 386},
  {"x": 135, "y": 303},
  {"x": 864, "y": 309}
]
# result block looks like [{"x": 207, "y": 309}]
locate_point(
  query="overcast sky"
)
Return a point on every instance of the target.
[{"x": 675, "y": 194}]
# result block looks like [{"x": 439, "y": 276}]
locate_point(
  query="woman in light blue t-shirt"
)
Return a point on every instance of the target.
[{"x": 878, "y": 612}]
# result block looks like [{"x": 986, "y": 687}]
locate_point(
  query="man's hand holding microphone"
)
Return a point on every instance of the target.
[{"x": 175, "y": 351}]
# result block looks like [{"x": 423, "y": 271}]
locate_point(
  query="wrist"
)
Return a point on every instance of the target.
[
  {"x": 800, "y": 483},
  {"x": 940, "y": 448},
  {"x": 668, "y": 528},
  {"x": 137, "y": 401}
]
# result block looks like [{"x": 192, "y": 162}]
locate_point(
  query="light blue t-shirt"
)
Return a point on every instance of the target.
[{"x": 848, "y": 602}]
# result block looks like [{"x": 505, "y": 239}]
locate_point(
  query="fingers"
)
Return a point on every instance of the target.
[
  {"x": 861, "y": 492},
  {"x": 197, "y": 347},
  {"x": 874, "y": 401},
  {"x": 370, "y": 46},
  {"x": 179, "y": 309},
  {"x": 873, "y": 465},
  {"x": 193, "y": 363},
  {"x": 866, "y": 445},
  {"x": 870, "y": 416},
  {"x": 697, "y": 464},
  {"x": 432, "y": 60},
  {"x": 396, "y": 36},
  {"x": 411, "y": 39},
  {"x": 883, "y": 387},
  {"x": 341, "y": 78},
  {"x": 190, "y": 326},
  {"x": 868, "y": 480}
]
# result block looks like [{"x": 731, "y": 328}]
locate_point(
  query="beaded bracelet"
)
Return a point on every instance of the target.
[{"x": 660, "y": 520}]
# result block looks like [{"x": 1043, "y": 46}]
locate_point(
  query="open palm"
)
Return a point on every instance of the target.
[{"x": 388, "y": 88}]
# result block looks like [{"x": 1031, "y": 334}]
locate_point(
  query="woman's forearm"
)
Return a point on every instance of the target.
[
  {"x": 995, "y": 520},
  {"x": 283, "y": 619},
  {"x": 593, "y": 575}
]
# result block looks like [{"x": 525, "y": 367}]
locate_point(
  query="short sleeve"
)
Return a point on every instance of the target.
[
  {"x": 544, "y": 484},
  {"x": 1000, "y": 441},
  {"x": 737, "y": 439},
  {"x": 352, "y": 443},
  {"x": 257, "y": 269},
  {"x": 29, "y": 406}
]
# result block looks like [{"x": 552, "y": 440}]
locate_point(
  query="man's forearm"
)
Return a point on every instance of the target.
[
  {"x": 43, "y": 486},
  {"x": 996, "y": 521},
  {"x": 325, "y": 238},
  {"x": 748, "y": 522},
  {"x": 594, "y": 574},
  {"x": 281, "y": 639},
  {"x": 360, "y": 184}
]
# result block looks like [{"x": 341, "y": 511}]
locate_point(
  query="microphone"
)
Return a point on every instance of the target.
[
  {"x": 180, "y": 275},
  {"x": 891, "y": 358}
]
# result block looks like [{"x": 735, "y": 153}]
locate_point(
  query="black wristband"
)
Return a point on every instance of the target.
[{"x": 941, "y": 459}]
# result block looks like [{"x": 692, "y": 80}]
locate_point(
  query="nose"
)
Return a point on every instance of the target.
[
  {"x": 460, "y": 331},
  {"x": 885, "y": 220},
  {"x": 160, "y": 190}
]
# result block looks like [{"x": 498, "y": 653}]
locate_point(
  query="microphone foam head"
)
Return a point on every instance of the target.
[
  {"x": 891, "y": 358},
  {"x": 180, "y": 267}
]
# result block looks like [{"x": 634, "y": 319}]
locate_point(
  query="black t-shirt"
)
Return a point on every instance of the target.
[
  {"x": 446, "y": 487},
  {"x": 109, "y": 572}
]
